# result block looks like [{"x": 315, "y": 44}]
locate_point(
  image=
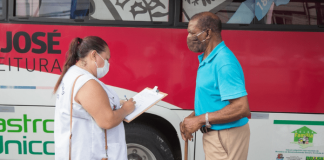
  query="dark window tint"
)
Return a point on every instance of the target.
[
  {"x": 1, "y": 8},
  {"x": 295, "y": 13},
  {"x": 63, "y": 9},
  {"x": 281, "y": 12},
  {"x": 120, "y": 10},
  {"x": 192, "y": 7},
  {"x": 130, "y": 10}
]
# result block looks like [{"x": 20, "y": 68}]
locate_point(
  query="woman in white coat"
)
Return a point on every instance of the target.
[{"x": 96, "y": 108}]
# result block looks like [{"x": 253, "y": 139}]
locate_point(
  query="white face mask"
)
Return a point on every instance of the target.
[{"x": 104, "y": 70}]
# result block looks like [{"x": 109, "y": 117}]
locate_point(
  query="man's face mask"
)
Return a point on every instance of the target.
[{"x": 194, "y": 44}]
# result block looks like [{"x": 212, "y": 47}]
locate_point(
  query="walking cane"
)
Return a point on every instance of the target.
[{"x": 186, "y": 150}]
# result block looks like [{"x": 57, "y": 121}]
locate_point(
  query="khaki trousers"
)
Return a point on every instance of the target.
[{"x": 228, "y": 144}]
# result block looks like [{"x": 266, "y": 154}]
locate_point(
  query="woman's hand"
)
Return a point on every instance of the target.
[
  {"x": 122, "y": 101},
  {"x": 129, "y": 106}
]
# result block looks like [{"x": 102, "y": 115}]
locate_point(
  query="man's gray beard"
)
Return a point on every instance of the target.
[{"x": 197, "y": 48}]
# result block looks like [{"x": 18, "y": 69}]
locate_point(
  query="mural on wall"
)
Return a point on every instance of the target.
[
  {"x": 196, "y": 2},
  {"x": 130, "y": 10},
  {"x": 192, "y": 7},
  {"x": 232, "y": 12},
  {"x": 121, "y": 10},
  {"x": 148, "y": 8}
]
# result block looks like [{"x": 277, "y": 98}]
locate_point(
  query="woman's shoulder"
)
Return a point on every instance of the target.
[
  {"x": 74, "y": 72},
  {"x": 84, "y": 78}
]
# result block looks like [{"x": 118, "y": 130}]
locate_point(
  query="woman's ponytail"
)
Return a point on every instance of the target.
[
  {"x": 79, "y": 49},
  {"x": 71, "y": 58}
]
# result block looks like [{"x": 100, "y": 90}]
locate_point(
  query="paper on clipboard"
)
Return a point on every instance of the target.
[{"x": 144, "y": 100}]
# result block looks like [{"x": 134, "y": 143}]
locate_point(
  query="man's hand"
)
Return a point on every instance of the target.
[
  {"x": 190, "y": 125},
  {"x": 182, "y": 131},
  {"x": 185, "y": 135}
]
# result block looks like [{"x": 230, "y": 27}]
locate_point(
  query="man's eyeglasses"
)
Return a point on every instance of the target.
[{"x": 200, "y": 34}]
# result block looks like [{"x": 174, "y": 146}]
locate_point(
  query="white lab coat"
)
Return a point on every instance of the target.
[{"x": 87, "y": 137}]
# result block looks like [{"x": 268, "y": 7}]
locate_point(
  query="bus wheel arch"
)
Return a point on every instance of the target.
[{"x": 153, "y": 123}]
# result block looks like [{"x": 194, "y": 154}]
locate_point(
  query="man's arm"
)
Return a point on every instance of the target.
[
  {"x": 237, "y": 109},
  {"x": 192, "y": 114}
]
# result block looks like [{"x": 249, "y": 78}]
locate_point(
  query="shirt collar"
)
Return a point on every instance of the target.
[{"x": 212, "y": 54}]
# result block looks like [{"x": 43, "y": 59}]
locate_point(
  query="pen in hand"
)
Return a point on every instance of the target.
[{"x": 125, "y": 97}]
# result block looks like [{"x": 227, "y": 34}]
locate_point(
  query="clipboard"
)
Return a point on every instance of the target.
[{"x": 140, "y": 110}]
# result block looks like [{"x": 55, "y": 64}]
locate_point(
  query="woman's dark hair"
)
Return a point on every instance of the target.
[{"x": 80, "y": 48}]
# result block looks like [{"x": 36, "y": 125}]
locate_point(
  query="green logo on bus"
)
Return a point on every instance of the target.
[
  {"x": 304, "y": 137},
  {"x": 314, "y": 158},
  {"x": 16, "y": 125},
  {"x": 22, "y": 146},
  {"x": 21, "y": 124}
]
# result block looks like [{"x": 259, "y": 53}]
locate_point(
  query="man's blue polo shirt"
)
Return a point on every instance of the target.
[{"x": 219, "y": 79}]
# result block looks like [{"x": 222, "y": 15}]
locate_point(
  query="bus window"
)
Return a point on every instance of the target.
[
  {"x": 223, "y": 8},
  {"x": 283, "y": 12},
  {"x": 63, "y": 9},
  {"x": 296, "y": 13},
  {"x": 1, "y": 8},
  {"x": 130, "y": 10}
]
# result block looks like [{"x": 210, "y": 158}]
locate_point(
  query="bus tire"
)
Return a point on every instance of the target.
[{"x": 145, "y": 141}]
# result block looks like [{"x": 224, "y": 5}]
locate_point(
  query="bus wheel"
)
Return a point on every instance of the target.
[{"x": 146, "y": 143}]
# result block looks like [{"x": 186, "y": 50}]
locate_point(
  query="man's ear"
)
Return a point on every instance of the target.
[{"x": 208, "y": 32}]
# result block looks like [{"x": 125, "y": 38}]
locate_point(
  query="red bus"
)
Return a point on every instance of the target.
[{"x": 279, "y": 44}]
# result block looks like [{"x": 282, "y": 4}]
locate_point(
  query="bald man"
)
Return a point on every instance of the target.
[{"x": 221, "y": 104}]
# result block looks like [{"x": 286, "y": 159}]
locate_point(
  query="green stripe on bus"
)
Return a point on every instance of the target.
[{"x": 320, "y": 123}]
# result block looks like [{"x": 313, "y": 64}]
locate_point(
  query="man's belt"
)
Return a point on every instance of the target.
[{"x": 204, "y": 129}]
